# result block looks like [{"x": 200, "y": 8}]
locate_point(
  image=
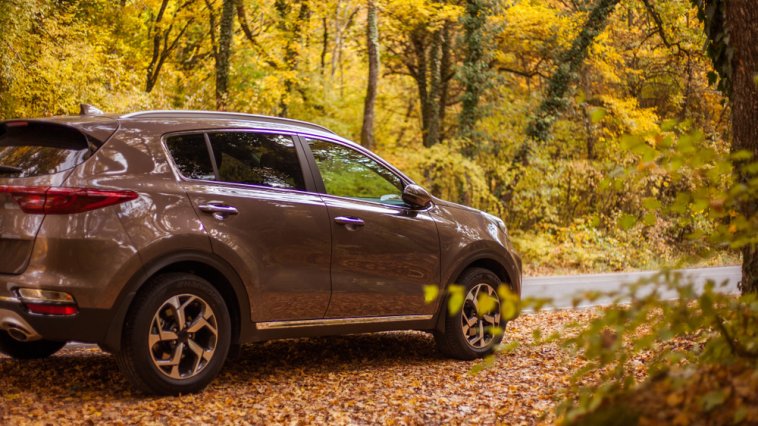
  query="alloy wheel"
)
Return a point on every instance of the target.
[
  {"x": 479, "y": 326},
  {"x": 183, "y": 336}
]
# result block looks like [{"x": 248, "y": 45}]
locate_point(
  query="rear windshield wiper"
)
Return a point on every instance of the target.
[{"x": 10, "y": 169}]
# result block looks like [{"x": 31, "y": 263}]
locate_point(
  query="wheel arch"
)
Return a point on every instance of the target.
[
  {"x": 507, "y": 272},
  {"x": 205, "y": 265}
]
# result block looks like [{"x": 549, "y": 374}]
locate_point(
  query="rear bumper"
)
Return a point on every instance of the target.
[{"x": 89, "y": 325}]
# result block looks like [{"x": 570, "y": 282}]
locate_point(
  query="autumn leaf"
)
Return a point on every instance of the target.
[{"x": 431, "y": 292}]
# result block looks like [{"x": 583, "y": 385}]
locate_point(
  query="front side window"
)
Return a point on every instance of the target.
[{"x": 349, "y": 173}]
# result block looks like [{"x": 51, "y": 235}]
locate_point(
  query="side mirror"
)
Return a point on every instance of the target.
[{"x": 416, "y": 196}]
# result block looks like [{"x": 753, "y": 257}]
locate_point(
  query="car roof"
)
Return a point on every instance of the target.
[
  {"x": 176, "y": 121},
  {"x": 188, "y": 120}
]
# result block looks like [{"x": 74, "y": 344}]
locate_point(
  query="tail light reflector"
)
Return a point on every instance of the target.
[
  {"x": 47, "y": 302},
  {"x": 50, "y": 200},
  {"x": 43, "y": 309}
]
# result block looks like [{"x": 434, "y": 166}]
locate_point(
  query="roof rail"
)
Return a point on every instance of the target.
[{"x": 220, "y": 114}]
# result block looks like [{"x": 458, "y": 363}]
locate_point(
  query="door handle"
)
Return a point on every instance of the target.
[
  {"x": 219, "y": 210},
  {"x": 350, "y": 222}
]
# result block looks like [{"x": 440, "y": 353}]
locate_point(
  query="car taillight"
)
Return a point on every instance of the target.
[
  {"x": 47, "y": 302},
  {"x": 43, "y": 309},
  {"x": 49, "y": 200}
]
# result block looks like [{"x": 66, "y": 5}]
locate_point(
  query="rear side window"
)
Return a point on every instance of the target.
[
  {"x": 240, "y": 157},
  {"x": 29, "y": 149},
  {"x": 190, "y": 154},
  {"x": 257, "y": 159}
]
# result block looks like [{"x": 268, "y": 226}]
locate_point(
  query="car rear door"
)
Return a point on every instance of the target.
[
  {"x": 251, "y": 196},
  {"x": 383, "y": 252}
]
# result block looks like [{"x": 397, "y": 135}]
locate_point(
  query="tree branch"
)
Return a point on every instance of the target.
[{"x": 659, "y": 29}]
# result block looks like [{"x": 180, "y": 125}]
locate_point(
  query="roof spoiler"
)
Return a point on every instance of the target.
[{"x": 89, "y": 110}]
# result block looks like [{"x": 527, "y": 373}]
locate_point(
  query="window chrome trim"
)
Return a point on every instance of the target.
[
  {"x": 274, "y": 325},
  {"x": 400, "y": 208},
  {"x": 361, "y": 150},
  {"x": 295, "y": 134},
  {"x": 246, "y": 186},
  {"x": 356, "y": 147}
]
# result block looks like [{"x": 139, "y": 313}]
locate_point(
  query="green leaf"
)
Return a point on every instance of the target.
[
  {"x": 486, "y": 363},
  {"x": 627, "y": 221},
  {"x": 485, "y": 304},
  {"x": 630, "y": 141},
  {"x": 508, "y": 347},
  {"x": 681, "y": 202},
  {"x": 742, "y": 155},
  {"x": 536, "y": 334},
  {"x": 508, "y": 310},
  {"x": 455, "y": 301},
  {"x": 712, "y": 78},
  {"x": 741, "y": 412},
  {"x": 597, "y": 114},
  {"x": 669, "y": 124},
  {"x": 713, "y": 399},
  {"x": 431, "y": 292},
  {"x": 651, "y": 203}
]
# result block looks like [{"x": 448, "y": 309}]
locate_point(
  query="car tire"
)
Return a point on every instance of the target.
[
  {"x": 466, "y": 335},
  {"x": 176, "y": 336},
  {"x": 36, "y": 349}
]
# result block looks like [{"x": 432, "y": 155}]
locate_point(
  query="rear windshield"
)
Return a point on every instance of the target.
[{"x": 29, "y": 149}]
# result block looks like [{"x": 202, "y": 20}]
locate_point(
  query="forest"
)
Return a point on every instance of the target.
[
  {"x": 529, "y": 109},
  {"x": 608, "y": 134}
]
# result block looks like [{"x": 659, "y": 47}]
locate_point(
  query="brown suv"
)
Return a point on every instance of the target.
[{"x": 170, "y": 237}]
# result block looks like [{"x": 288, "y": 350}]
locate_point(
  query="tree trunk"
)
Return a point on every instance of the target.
[
  {"x": 432, "y": 124},
  {"x": 473, "y": 72},
  {"x": 154, "y": 67},
  {"x": 224, "y": 53},
  {"x": 292, "y": 31},
  {"x": 742, "y": 26},
  {"x": 421, "y": 77},
  {"x": 446, "y": 75},
  {"x": 325, "y": 43},
  {"x": 372, "y": 40}
]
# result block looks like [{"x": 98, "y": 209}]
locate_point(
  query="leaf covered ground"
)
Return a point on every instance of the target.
[{"x": 384, "y": 378}]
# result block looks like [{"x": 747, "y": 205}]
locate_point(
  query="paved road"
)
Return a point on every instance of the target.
[{"x": 563, "y": 289}]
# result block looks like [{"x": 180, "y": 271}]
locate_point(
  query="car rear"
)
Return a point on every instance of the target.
[{"x": 58, "y": 243}]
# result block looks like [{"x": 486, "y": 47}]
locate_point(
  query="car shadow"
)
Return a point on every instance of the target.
[
  {"x": 85, "y": 372},
  {"x": 338, "y": 353}
]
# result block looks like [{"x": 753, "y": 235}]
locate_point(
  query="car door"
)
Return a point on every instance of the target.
[
  {"x": 249, "y": 190},
  {"x": 383, "y": 251}
]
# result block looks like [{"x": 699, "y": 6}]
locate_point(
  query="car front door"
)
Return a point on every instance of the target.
[
  {"x": 250, "y": 193},
  {"x": 383, "y": 251}
]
